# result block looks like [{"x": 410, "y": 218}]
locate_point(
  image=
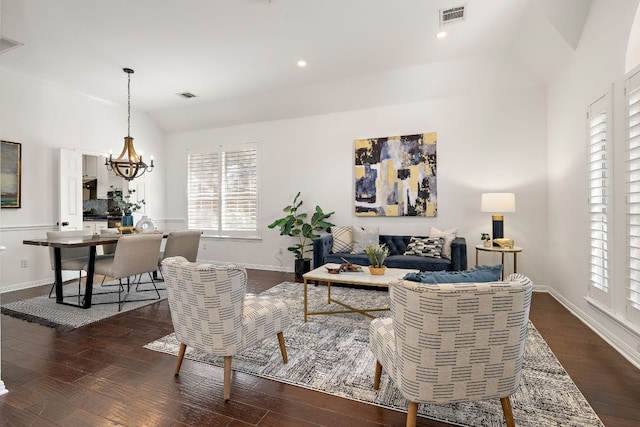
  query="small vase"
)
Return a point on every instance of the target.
[
  {"x": 487, "y": 243},
  {"x": 377, "y": 271},
  {"x": 127, "y": 220}
]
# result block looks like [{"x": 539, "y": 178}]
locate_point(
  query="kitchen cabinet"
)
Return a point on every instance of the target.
[
  {"x": 94, "y": 226},
  {"x": 116, "y": 182},
  {"x": 89, "y": 166}
]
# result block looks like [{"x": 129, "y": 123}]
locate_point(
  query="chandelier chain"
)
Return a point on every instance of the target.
[{"x": 128, "y": 104}]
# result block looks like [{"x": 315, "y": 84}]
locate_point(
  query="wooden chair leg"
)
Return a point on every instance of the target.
[
  {"x": 376, "y": 377},
  {"x": 508, "y": 413},
  {"x": 412, "y": 414},
  {"x": 283, "y": 348},
  {"x": 227, "y": 378},
  {"x": 183, "y": 348}
]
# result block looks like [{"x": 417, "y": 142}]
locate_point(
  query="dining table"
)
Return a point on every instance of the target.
[{"x": 92, "y": 242}]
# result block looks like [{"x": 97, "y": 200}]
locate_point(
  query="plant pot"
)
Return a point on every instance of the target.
[
  {"x": 487, "y": 243},
  {"x": 127, "y": 220},
  {"x": 377, "y": 271},
  {"x": 302, "y": 266}
]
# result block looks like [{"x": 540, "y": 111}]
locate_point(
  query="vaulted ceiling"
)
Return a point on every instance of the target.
[{"x": 239, "y": 57}]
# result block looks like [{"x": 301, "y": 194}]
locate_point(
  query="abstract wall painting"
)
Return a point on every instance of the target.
[
  {"x": 10, "y": 173},
  {"x": 396, "y": 176}
]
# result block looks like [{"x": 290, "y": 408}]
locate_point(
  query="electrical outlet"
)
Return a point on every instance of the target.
[
  {"x": 204, "y": 246},
  {"x": 24, "y": 263}
]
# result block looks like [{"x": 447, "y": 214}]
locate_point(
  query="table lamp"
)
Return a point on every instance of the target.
[{"x": 498, "y": 203}]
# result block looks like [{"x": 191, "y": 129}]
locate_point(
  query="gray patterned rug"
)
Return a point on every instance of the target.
[
  {"x": 47, "y": 312},
  {"x": 330, "y": 354}
]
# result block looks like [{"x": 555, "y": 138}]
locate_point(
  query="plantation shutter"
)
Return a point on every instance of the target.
[
  {"x": 240, "y": 201},
  {"x": 633, "y": 197},
  {"x": 222, "y": 191},
  {"x": 598, "y": 164},
  {"x": 203, "y": 189}
]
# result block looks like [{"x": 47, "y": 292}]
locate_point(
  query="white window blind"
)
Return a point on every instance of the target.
[
  {"x": 632, "y": 90},
  {"x": 598, "y": 164},
  {"x": 222, "y": 191}
]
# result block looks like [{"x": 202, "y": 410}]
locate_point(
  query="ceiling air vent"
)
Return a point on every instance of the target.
[
  {"x": 451, "y": 15},
  {"x": 186, "y": 95},
  {"x": 8, "y": 44}
]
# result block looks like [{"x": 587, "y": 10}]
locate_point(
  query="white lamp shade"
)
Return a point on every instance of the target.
[{"x": 498, "y": 202}]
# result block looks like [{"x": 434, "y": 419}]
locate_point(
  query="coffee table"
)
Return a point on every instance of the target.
[{"x": 359, "y": 279}]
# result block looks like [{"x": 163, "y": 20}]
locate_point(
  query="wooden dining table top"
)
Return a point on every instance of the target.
[{"x": 78, "y": 241}]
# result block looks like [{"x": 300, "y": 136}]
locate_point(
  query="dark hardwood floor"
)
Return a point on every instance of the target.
[{"x": 100, "y": 375}]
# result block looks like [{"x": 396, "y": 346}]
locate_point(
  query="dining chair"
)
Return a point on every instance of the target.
[
  {"x": 211, "y": 312},
  {"x": 135, "y": 254},
  {"x": 73, "y": 259},
  {"x": 451, "y": 343},
  {"x": 181, "y": 243}
]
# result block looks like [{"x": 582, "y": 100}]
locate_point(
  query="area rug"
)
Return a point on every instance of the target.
[
  {"x": 330, "y": 354},
  {"x": 104, "y": 303}
]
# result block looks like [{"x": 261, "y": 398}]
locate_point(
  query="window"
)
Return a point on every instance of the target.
[
  {"x": 598, "y": 164},
  {"x": 222, "y": 191},
  {"x": 632, "y": 90}
]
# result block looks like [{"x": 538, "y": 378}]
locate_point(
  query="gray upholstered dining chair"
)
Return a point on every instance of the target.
[
  {"x": 73, "y": 259},
  {"x": 135, "y": 254},
  {"x": 452, "y": 343},
  {"x": 181, "y": 243},
  {"x": 212, "y": 313}
]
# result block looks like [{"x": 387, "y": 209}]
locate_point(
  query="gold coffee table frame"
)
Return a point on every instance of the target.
[{"x": 365, "y": 278}]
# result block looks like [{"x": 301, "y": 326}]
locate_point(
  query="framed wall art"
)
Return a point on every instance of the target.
[
  {"x": 396, "y": 176},
  {"x": 11, "y": 173}
]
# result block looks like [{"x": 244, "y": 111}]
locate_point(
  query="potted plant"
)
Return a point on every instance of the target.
[
  {"x": 127, "y": 207},
  {"x": 295, "y": 224},
  {"x": 377, "y": 254},
  {"x": 486, "y": 240}
]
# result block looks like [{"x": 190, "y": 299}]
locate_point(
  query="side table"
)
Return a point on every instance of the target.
[{"x": 514, "y": 250}]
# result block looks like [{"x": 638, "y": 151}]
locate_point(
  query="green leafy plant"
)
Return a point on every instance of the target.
[
  {"x": 377, "y": 254},
  {"x": 296, "y": 224},
  {"x": 485, "y": 236},
  {"x": 126, "y": 205}
]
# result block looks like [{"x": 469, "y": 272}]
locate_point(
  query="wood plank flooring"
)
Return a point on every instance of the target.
[{"x": 100, "y": 375}]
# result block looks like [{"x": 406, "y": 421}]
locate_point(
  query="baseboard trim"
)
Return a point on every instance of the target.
[
  {"x": 621, "y": 347},
  {"x": 26, "y": 285}
]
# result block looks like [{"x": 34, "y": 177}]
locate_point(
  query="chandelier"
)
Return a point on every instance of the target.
[{"x": 129, "y": 164}]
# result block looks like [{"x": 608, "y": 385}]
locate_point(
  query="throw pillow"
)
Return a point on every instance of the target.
[
  {"x": 342, "y": 239},
  {"x": 425, "y": 246},
  {"x": 479, "y": 274},
  {"x": 448, "y": 236},
  {"x": 363, "y": 238}
]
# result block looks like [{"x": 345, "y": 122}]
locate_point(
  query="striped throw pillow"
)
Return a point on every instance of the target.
[{"x": 342, "y": 239}]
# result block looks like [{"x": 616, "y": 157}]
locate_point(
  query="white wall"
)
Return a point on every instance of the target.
[
  {"x": 44, "y": 117},
  {"x": 489, "y": 139},
  {"x": 597, "y": 64}
]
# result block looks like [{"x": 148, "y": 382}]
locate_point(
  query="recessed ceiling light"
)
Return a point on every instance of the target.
[
  {"x": 302, "y": 63},
  {"x": 441, "y": 34}
]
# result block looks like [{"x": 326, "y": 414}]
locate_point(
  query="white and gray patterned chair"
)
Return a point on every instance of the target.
[
  {"x": 212, "y": 313},
  {"x": 451, "y": 343}
]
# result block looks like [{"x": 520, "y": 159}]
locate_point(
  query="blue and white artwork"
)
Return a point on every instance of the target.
[{"x": 396, "y": 176}]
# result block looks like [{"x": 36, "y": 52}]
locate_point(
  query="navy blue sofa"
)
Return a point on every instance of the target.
[{"x": 397, "y": 245}]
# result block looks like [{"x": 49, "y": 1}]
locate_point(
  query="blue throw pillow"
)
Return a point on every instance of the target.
[{"x": 482, "y": 273}]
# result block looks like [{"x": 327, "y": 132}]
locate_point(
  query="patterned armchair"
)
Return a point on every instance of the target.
[
  {"x": 452, "y": 343},
  {"x": 211, "y": 312}
]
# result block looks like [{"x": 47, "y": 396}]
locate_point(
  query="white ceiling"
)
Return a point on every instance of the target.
[{"x": 239, "y": 56}]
